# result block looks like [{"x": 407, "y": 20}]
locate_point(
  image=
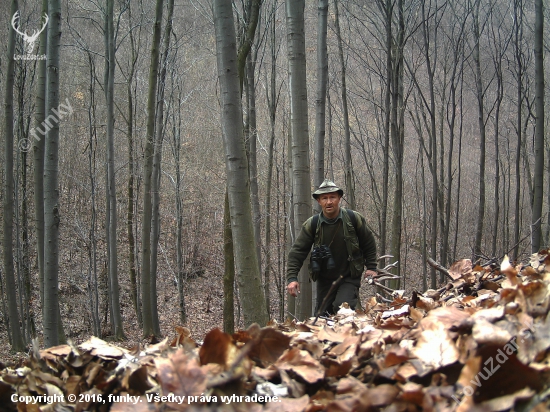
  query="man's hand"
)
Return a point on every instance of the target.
[
  {"x": 370, "y": 273},
  {"x": 293, "y": 288}
]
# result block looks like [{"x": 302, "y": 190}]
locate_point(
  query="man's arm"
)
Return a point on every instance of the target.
[
  {"x": 299, "y": 251},
  {"x": 367, "y": 243}
]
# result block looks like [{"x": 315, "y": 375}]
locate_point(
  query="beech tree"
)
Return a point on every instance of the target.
[
  {"x": 538, "y": 178},
  {"x": 51, "y": 184},
  {"x": 480, "y": 92},
  {"x": 348, "y": 166},
  {"x": 149, "y": 298},
  {"x": 321, "y": 97},
  {"x": 238, "y": 182},
  {"x": 301, "y": 181},
  {"x": 17, "y": 342},
  {"x": 320, "y": 106},
  {"x": 38, "y": 155},
  {"x": 111, "y": 215}
]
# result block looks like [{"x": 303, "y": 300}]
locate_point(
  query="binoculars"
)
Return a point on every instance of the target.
[{"x": 320, "y": 255}]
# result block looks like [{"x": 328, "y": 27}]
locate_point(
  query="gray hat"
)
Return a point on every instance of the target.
[{"x": 327, "y": 186}]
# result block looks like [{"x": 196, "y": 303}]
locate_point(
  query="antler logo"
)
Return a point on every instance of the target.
[{"x": 30, "y": 40}]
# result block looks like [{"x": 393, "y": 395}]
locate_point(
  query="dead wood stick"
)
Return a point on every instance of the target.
[
  {"x": 383, "y": 299},
  {"x": 438, "y": 267},
  {"x": 233, "y": 373},
  {"x": 330, "y": 291},
  {"x": 387, "y": 289}
]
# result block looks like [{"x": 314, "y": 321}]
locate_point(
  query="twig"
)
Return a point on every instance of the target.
[
  {"x": 387, "y": 289},
  {"x": 232, "y": 373},
  {"x": 383, "y": 299},
  {"x": 293, "y": 316},
  {"x": 438, "y": 267},
  {"x": 330, "y": 291}
]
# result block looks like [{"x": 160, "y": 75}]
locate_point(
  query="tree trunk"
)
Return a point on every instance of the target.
[
  {"x": 320, "y": 104},
  {"x": 397, "y": 134},
  {"x": 131, "y": 172},
  {"x": 149, "y": 322},
  {"x": 321, "y": 98},
  {"x": 38, "y": 155},
  {"x": 116, "y": 321},
  {"x": 301, "y": 181},
  {"x": 93, "y": 288},
  {"x": 252, "y": 154},
  {"x": 290, "y": 235},
  {"x": 518, "y": 37},
  {"x": 176, "y": 149},
  {"x": 238, "y": 184},
  {"x": 157, "y": 165},
  {"x": 388, "y": 9},
  {"x": 51, "y": 186},
  {"x": 229, "y": 272},
  {"x": 272, "y": 105},
  {"x": 17, "y": 343},
  {"x": 482, "y": 138},
  {"x": 538, "y": 178},
  {"x": 348, "y": 167}
]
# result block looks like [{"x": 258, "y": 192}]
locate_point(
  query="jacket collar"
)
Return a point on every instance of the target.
[{"x": 322, "y": 217}]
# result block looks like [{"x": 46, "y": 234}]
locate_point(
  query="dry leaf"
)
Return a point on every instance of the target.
[{"x": 301, "y": 363}]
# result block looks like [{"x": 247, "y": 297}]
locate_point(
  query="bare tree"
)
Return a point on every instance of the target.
[
  {"x": 51, "y": 184},
  {"x": 150, "y": 322},
  {"x": 38, "y": 156},
  {"x": 321, "y": 97},
  {"x": 17, "y": 342},
  {"x": 246, "y": 263},
  {"x": 157, "y": 162},
  {"x": 271, "y": 97},
  {"x": 348, "y": 166},
  {"x": 229, "y": 273},
  {"x": 301, "y": 181},
  {"x": 482, "y": 130},
  {"x": 320, "y": 106},
  {"x": 538, "y": 181},
  {"x": 130, "y": 216},
  {"x": 111, "y": 215}
]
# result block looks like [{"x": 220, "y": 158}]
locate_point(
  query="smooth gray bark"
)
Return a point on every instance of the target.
[
  {"x": 150, "y": 322},
  {"x": 17, "y": 343},
  {"x": 157, "y": 166},
  {"x": 538, "y": 178},
  {"x": 51, "y": 184},
  {"x": 116, "y": 321},
  {"x": 321, "y": 96},
  {"x": 482, "y": 135},
  {"x": 301, "y": 180},
  {"x": 348, "y": 166},
  {"x": 38, "y": 155},
  {"x": 320, "y": 109},
  {"x": 238, "y": 183}
]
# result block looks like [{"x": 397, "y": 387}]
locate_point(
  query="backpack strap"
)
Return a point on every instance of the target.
[
  {"x": 315, "y": 220},
  {"x": 352, "y": 218}
]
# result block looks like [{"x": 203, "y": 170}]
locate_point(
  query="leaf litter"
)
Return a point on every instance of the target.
[{"x": 480, "y": 343}]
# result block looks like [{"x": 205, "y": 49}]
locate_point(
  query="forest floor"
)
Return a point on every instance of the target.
[
  {"x": 204, "y": 308},
  {"x": 479, "y": 343}
]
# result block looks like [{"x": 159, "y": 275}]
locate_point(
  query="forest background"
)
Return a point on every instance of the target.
[{"x": 430, "y": 115}]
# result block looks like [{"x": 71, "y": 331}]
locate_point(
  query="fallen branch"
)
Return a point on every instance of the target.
[
  {"x": 440, "y": 268},
  {"x": 330, "y": 291}
]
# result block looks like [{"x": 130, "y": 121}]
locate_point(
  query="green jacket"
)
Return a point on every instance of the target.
[{"x": 353, "y": 248}]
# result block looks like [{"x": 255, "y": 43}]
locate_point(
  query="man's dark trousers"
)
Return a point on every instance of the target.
[{"x": 346, "y": 291}]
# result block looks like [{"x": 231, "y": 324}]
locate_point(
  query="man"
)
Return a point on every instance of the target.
[{"x": 342, "y": 246}]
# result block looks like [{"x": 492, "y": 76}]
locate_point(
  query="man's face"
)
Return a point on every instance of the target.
[{"x": 330, "y": 203}]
